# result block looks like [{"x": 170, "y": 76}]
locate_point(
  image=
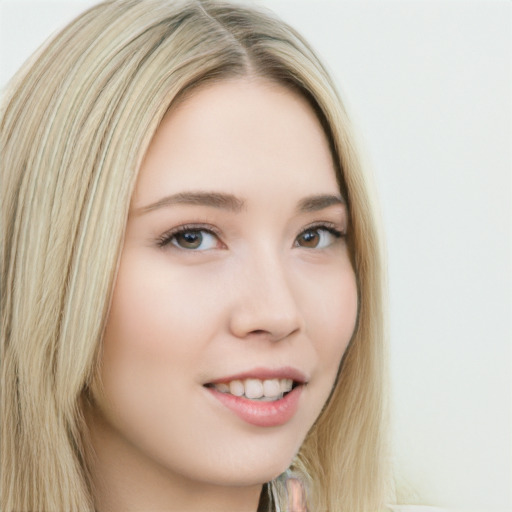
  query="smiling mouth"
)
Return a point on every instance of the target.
[{"x": 268, "y": 390}]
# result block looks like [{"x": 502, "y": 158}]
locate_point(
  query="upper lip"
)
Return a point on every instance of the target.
[{"x": 287, "y": 372}]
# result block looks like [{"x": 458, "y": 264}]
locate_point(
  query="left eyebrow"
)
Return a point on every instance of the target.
[
  {"x": 319, "y": 202},
  {"x": 197, "y": 198}
]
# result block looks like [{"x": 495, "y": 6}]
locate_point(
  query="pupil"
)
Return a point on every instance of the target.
[
  {"x": 310, "y": 238},
  {"x": 190, "y": 239}
]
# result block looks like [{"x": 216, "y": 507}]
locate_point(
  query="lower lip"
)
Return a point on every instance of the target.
[{"x": 261, "y": 414}]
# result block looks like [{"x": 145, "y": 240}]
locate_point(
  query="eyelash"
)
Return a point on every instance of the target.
[
  {"x": 322, "y": 226},
  {"x": 168, "y": 236}
]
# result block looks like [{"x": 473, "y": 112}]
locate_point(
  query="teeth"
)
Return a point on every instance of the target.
[
  {"x": 271, "y": 387},
  {"x": 253, "y": 388},
  {"x": 236, "y": 387},
  {"x": 223, "y": 387},
  {"x": 256, "y": 389},
  {"x": 286, "y": 385}
]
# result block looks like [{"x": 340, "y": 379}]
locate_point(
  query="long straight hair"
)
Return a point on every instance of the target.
[{"x": 76, "y": 122}]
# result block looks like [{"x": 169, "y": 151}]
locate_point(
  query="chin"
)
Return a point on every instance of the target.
[
  {"x": 245, "y": 467},
  {"x": 249, "y": 477}
]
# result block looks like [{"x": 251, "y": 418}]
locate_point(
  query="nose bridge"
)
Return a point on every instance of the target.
[{"x": 266, "y": 303}]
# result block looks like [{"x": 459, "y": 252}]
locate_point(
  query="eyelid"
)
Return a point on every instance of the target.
[{"x": 337, "y": 228}]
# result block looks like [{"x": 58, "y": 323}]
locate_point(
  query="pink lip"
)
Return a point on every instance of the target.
[
  {"x": 287, "y": 372},
  {"x": 261, "y": 414}
]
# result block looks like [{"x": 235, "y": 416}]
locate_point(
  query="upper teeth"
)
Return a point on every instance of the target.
[{"x": 256, "y": 388}]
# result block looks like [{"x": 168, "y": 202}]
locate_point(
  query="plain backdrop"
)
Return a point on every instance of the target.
[{"x": 428, "y": 85}]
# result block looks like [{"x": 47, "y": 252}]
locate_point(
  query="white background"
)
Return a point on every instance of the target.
[{"x": 429, "y": 86}]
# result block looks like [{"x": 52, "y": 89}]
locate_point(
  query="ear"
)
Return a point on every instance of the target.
[{"x": 296, "y": 496}]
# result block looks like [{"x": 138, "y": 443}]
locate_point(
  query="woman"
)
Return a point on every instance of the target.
[{"x": 191, "y": 299}]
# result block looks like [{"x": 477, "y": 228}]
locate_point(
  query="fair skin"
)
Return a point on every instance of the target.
[{"x": 235, "y": 266}]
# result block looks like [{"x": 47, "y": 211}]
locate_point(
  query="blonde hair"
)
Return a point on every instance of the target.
[{"x": 76, "y": 123}]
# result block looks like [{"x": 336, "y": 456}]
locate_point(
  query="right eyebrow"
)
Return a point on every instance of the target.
[
  {"x": 320, "y": 202},
  {"x": 212, "y": 199}
]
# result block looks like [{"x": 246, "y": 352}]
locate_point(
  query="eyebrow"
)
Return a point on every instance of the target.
[
  {"x": 232, "y": 203},
  {"x": 319, "y": 202},
  {"x": 212, "y": 199}
]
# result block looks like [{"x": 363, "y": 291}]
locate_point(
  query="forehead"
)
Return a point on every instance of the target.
[{"x": 238, "y": 136}]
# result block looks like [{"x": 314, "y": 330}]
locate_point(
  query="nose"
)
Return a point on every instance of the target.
[{"x": 265, "y": 303}]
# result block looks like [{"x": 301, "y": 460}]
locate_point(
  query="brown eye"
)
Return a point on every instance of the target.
[
  {"x": 188, "y": 239},
  {"x": 309, "y": 238},
  {"x": 318, "y": 238},
  {"x": 191, "y": 240}
]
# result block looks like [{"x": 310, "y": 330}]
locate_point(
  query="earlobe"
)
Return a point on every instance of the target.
[{"x": 296, "y": 496}]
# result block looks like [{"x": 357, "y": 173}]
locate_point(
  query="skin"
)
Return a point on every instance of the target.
[{"x": 255, "y": 292}]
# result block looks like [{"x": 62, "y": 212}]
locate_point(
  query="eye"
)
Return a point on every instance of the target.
[
  {"x": 318, "y": 237},
  {"x": 190, "y": 238}
]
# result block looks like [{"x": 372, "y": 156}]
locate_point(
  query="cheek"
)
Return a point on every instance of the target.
[
  {"x": 153, "y": 342},
  {"x": 328, "y": 299},
  {"x": 156, "y": 308},
  {"x": 331, "y": 314},
  {"x": 154, "y": 335},
  {"x": 342, "y": 315}
]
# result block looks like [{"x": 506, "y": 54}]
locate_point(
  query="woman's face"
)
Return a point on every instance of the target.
[{"x": 235, "y": 298}]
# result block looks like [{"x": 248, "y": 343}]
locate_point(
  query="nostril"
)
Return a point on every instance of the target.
[{"x": 259, "y": 332}]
